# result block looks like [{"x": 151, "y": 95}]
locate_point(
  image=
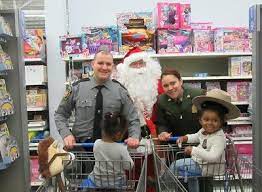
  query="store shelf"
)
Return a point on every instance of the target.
[
  {"x": 243, "y": 142},
  {"x": 36, "y": 183},
  {"x": 34, "y": 60},
  {"x": 33, "y": 146},
  {"x": 200, "y": 55},
  {"x": 91, "y": 57},
  {"x": 217, "y": 78},
  {"x": 38, "y": 84},
  {"x": 241, "y": 138},
  {"x": 36, "y": 108},
  {"x": 233, "y": 122},
  {"x": 40, "y": 128},
  {"x": 240, "y": 102}
]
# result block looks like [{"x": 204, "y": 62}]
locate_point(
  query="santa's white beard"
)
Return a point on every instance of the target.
[{"x": 142, "y": 86}]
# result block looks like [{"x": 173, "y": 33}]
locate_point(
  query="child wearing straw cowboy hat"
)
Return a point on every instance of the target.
[{"x": 207, "y": 158}]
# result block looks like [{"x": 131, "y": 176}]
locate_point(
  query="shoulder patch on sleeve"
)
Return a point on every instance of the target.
[
  {"x": 67, "y": 93},
  {"x": 79, "y": 81},
  {"x": 115, "y": 81}
]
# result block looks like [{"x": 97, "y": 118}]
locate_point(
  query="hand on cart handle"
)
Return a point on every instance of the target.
[
  {"x": 132, "y": 142},
  {"x": 164, "y": 136},
  {"x": 69, "y": 142},
  {"x": 180, "y": 140},
  {"x": 188, "y": 150}
]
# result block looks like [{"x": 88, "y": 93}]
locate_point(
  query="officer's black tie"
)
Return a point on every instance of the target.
[{"x": 98, "y": 113}]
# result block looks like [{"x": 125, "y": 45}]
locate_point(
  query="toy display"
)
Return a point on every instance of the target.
[
  {"x": 5, "y": 28},
  {"x": 71, "y": 46},
  {"x": 203, "y": 40},
  {"x": 168, "y": 15},
  {"x": 240, "y": 66},
  {"x": 34, "y": 45},
  {"x": 239, "y": 90},
  {"x": 137, "y": 35},
  {"x": 5, "y": 61},
  {"x": 174, "y": 41},
  {"x": 97, "y": 38},
  {"x": 201, "y": 25},
  {"x": 87, "y": 70},
  {"x": 123, "y": 18},
  {"x": 6, "y": 102},
  {"x": 8, "y": 147},
  {"x": 193, "y": 85},
  {"x": 232, "y": 40},
  {"x": 246, "y": 65},
  {"x": 185, "y": 16},
  {"x": 36, "y": 97},
  {"x": 212, "y": 85}
]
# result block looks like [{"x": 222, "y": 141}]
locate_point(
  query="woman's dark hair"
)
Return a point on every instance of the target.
[
  {"x": 218, "y": 108},
  {"x": 113, "y": 123},
  {"x": 170, "y": 71}
]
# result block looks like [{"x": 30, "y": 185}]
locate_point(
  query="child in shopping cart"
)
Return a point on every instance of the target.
[
  {"x": 111, "y": 157},
  {"x": 207, "y": 158}
]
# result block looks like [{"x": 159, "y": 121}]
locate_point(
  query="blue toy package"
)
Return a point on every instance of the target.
[
  {"x": 252, "y": 19},
  {"x": 100, "y": 38}
]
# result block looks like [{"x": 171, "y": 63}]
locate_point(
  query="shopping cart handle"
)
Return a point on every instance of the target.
[
  {"x": 173, "y": 139},
  {"x": 84, "y": 145}
]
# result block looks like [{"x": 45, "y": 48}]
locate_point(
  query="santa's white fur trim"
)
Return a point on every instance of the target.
[{"x": 135, "y": 57}]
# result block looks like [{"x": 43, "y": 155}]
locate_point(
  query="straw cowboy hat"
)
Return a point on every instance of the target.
[{"x": 221, "y": 97}]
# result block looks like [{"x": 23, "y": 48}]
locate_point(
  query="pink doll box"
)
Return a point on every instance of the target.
[
  {"x": 231, "y": 40},
  {"x": 174, "y": 41},
  {"x": 212, "y": 85},
  {"x": 185, "y": 16},
  {"x": 203, "y": 40},
  {"x": 232, "y": 90},
  {"x": 242, "y": 91},
  {"x": 70, "y": 46},
  {"x": 168, "y": 15}
]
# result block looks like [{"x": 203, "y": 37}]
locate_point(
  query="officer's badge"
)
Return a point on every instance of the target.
[{"x": 194, "y": 109}]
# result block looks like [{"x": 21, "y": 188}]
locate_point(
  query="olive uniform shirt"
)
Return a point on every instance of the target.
[
  {"x": 82, "y": 99},
  {"x": 179, "y": 117}
]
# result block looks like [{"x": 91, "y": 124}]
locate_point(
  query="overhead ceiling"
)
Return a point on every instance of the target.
[{"x": 33, "y": 11}]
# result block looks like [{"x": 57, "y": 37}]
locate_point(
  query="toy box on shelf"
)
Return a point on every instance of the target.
[
  {"x": 193, "y": 85},
  {"x": 8, "y": 147},
  {"x": 239, "y": 90},
  {"x": 174, "y": 41},
  {"x": 6, "y": 102},
  {"x": 185, "y": 16},
  {"x": 72, "y": 46},
  {"x": 100, "y": 38},
  {"x": 203, "y": 40},
  {"x": 212, "y": 85},
  {"x": 240, "y": 66},
  {"x": 36, "y": 97},
  {"x": 136, "y": 29},
  {"x": 35, "y": 74},
  {"x": 137, "y": 35},
  {"x": 5, "y": 61},
  {"x": 34, "y": 169},
  {"x": 232, "y": 40},
  {"x": 5, "y": 28},
  {"x": 34, "y": 45},
  {"x": 167, "y": 15}
]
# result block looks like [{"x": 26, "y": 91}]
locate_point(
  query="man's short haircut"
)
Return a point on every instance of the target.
[{"x": 103, "y": 52}]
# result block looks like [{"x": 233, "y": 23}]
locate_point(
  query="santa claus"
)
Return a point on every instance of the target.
[{"x": 139, "y": 73}]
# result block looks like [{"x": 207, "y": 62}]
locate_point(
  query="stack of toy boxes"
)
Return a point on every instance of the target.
[
  {"x": 133, "y": 32},
  {"x": 232, "y": 39},
  {"x": 71, "y": 46},
  {"x": 36, "y": 97},
  {"x": 174, "y": 33},
  {"x": 239, "y": 90},
  {"x": 100, "y": 38},
  {"x": 240, "y": 66}
]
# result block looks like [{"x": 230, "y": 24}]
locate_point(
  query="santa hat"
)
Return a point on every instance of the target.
[{"x": 133, "y": 55}]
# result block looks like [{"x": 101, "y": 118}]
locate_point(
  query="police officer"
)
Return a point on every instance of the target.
[
  {"x": 176, "y": 115},
  {"x": 83, "y": 99}
]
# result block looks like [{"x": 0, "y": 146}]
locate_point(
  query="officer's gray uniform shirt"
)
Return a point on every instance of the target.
[{"x": 83, "y": 98}]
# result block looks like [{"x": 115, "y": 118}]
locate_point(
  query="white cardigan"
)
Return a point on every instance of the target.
[{"x": 212, "y": 159}]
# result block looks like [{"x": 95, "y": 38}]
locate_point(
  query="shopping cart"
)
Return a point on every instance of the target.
[
  {"x": 79, "y": 175},
  {"x": 232, "y": 173}
]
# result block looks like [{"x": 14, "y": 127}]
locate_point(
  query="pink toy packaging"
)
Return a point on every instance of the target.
[
  {"x": 201, "y": 25},
  {"x": 212, "y": 85},
  {"x": 174, "y": 41},
  {"x": 203, "y": 40},
  {"x": 185, "y": 16},
  {"x": 70, "y": 46},
  {"x": 232, "y": 40},
  {"x": 238, "y": 90},
  {"x": 246, "y": 66},
  {"x": 168, "y": 15}
]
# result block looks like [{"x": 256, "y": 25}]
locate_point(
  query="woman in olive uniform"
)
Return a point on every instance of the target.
[{"x": 176, "y": 115}]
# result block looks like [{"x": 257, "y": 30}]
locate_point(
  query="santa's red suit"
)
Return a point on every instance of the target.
[{"x": 140, "y": 74}]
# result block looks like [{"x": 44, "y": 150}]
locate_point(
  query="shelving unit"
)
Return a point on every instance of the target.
[{"x": 16, "y": 176}]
